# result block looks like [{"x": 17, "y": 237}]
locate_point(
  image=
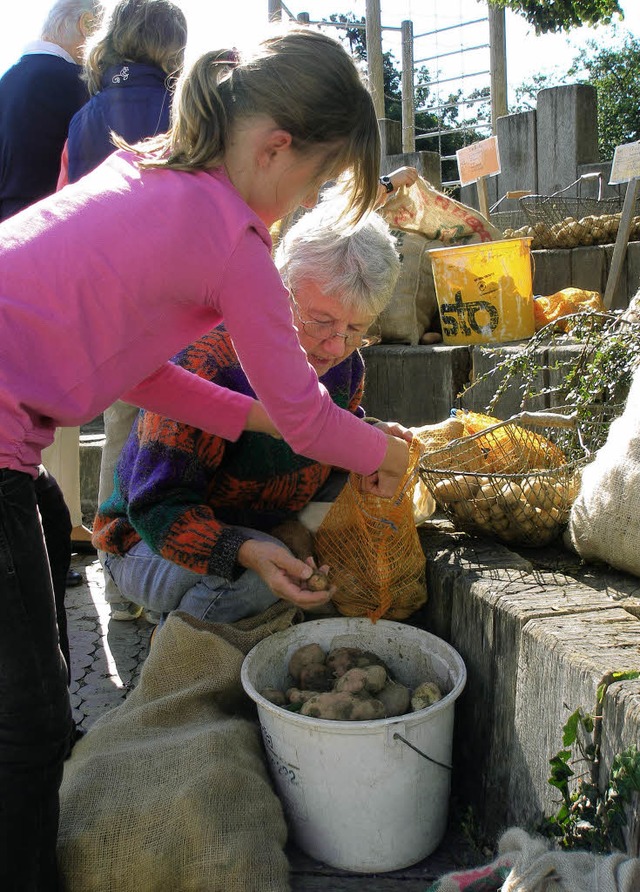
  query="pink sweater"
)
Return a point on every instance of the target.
[{"x": 104, "y": 281}]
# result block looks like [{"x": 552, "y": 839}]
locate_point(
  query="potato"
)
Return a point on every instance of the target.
[
  {"x": 343, "y": 707},
  {"x": 426, "y": 694},
  {"x": 341, "y": 659},
  {"x": 509, "y": 494},
  {"x": 304, "y": 656},
  {"x": 295, "y": 695},
  {"x": 369, "y": 678},
  {"x": 316, "y": 677},
  {"x": 273, "y": 695},
  {"x": 317, "y": 582},
  {"x": 455, "y": 489},
  {"x": 543, "y": 492},
  {"x": 395, "y": 697}
]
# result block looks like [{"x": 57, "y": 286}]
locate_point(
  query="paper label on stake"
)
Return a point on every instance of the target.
[
  {"x": 626, "y": 163},
  {"x": 481, "y": 159}
]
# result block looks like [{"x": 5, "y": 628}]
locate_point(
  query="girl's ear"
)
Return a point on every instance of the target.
[{"x": 274, "y": 143}]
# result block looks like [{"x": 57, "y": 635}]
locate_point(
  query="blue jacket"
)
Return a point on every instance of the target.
[
  {"x": 134, "y": 102},
  {"x": 38, "y": 97}
]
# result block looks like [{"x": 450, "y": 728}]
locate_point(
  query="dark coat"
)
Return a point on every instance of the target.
[
  {"x": 38, "y": 97},
  {"x": 134, "y": 103}
]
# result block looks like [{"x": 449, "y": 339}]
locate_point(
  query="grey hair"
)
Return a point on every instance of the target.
[
  {"x": 358, "y": 266},
  {"x": 61, "y": 23}
]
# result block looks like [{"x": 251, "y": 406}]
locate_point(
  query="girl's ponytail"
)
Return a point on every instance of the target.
[{"x": 198, "y": 134}]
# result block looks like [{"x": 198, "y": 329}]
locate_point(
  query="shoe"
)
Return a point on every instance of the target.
[
  {"x": 74, "y": 578},
  {"x": 124, "y": 611},
  {"x": 152, "y": 617}
]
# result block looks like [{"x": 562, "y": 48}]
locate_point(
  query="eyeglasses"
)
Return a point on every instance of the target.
[{"x": 324, "y": 331}]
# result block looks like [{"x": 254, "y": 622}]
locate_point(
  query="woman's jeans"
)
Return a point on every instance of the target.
[
  {"x": 35, "y": 714},
  {"x": 157, "y": 584}
]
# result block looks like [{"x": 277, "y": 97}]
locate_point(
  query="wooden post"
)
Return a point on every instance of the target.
[
  {"x": 497, "y": 64},
  {"x": 483, "y": 197},
  {"x": 408, "y": 100},
  {"x": 622, "y": 240},
  {"x": 373, "y": 33}
]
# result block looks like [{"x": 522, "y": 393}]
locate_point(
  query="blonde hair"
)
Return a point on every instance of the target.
[
  {"x": 305, "y": 82},
  {"x": 151, "y": 31}
]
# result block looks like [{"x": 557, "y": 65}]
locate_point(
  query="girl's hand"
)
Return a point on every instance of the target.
[
  {"x": 285, "y": 575},
  {"x": 385, "y": 481}
]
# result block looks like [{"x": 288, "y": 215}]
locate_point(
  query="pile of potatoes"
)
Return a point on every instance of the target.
[
  {"x": 529, "y": 508},
  {"x": 572, "y": 233},
  {"x": 347, "y": 684}
]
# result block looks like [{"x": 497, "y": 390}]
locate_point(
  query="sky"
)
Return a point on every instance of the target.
[{"x": 215, "y": 24}]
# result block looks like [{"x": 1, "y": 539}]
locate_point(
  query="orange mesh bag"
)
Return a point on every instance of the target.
[
  {"x": 567, "y": 302},
  {"x": 373, "y": 550},
  {"x": 505, "y": 450}
]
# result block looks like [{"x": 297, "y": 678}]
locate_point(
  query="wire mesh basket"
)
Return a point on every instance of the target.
[
  {"x": 510, "y": 480},
  {"x": 509, "y": 219},
  {"x": 571, "y": 221}
]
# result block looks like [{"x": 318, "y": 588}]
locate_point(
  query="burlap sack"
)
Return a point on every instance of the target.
[
  {"x": 169, "y": 791},
  {"x": 604, "y": 524},
  {"x": 422, "y": 218},
  {"x": 413, "y": 304}
]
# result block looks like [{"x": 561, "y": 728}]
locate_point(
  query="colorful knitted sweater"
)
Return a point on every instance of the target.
[{"x": 187, "y": 493}]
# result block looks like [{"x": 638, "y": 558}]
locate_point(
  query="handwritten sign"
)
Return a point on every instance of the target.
[
  {"x": 481, "y": 159},
  {"x": 626, "y": 163}
]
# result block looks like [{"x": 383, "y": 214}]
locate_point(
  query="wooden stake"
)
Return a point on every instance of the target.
[{"x": 622, "y": 240}]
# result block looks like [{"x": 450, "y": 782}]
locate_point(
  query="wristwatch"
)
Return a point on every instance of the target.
[{"x": 386, "y": 182}]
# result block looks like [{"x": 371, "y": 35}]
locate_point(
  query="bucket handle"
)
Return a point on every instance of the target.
[{"x": 397, "y": 736}]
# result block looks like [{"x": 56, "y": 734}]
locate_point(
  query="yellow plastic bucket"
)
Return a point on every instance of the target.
[{"x": 485, "y": 291}]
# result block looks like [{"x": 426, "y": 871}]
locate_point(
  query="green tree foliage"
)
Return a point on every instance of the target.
[
  {"x": 563, "y": 15},
  {"x": 615, "y": 73}
]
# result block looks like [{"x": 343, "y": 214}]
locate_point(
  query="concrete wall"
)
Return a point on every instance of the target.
[
  {"x": 545, "y": 150},
  {"x": 538, "y": 635},
  {"x": 566, "y": 134}
]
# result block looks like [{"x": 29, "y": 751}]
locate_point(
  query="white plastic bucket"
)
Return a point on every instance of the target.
[{"x": 356, "y": 794}]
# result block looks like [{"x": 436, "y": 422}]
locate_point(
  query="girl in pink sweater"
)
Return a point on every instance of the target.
[{"x": 101, "y": 283}]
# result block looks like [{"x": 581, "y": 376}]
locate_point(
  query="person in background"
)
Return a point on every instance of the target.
[
  {"x": 131, "y": 63},
  {"x": 134, "y": 261},
  {"x": 38, "y": 97},
  {"x": 189, "y": 509}
]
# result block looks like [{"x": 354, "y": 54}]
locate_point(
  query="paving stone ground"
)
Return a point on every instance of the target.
[{"x": 106, "y": 656}]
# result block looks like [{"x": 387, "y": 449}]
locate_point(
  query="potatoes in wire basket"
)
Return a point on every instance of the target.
[{"x": 529, "y": 509}]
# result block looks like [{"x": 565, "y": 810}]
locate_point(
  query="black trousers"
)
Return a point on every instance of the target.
[{"x": 35, "y": 713}]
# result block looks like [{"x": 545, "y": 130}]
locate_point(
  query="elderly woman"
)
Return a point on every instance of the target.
[{"x": 189, "y": 523}]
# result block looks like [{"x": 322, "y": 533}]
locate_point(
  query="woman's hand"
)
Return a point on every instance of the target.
[
  {"x": 403, "y": 176},
  {"x": 285, "y": 575},
  {"x": 395, "y": 429}
]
